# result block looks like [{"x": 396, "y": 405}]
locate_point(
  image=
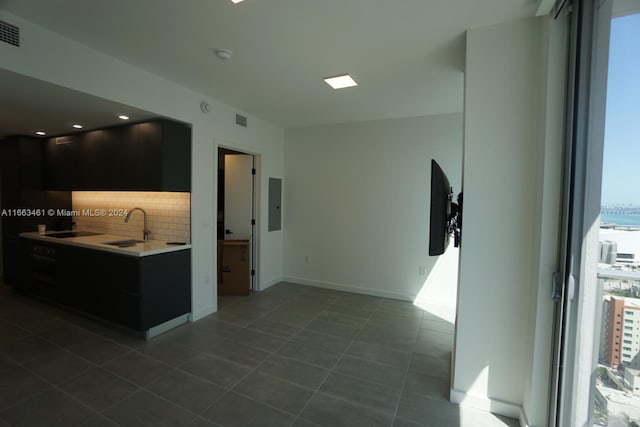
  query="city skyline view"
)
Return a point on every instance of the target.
[{"x": 622, "y": 130}]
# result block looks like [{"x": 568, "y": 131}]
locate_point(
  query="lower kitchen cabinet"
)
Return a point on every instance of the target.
[{"x": 136, "y": 292}]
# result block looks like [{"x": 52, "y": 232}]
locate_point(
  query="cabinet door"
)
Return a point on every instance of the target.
[
  {"x": 149, "y": 154},
  {"x": 120, "y": 156},
  {"x": 61, "y": 163},
  {"x": 91, "y": 168}
]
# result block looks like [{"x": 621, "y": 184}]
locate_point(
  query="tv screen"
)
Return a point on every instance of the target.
[{"x": 441, "y": 195}]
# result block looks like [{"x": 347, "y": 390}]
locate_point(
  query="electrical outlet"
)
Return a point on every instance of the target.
[
  {"x": 422, "y": 270},
  {"x": 306, "y": 259}
]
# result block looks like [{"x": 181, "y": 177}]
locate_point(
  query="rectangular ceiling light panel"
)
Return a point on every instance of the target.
[{"x": 340, "y": 82}]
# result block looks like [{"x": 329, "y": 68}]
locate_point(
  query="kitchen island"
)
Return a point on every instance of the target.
[{"x": 144, "y": 286}]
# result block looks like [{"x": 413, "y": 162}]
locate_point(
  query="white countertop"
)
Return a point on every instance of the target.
[{"x": 146, "y": 248}]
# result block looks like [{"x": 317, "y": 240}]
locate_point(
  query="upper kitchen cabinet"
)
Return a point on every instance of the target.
[
  {"x": 62, "y": 162},
  {"x": 152, "y": 156},
  {"x": 164, "y": 152}
]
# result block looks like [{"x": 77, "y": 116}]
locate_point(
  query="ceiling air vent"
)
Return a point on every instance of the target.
[
  {"x": 241, "y": 120},
  {"x": 61, "y": 140},
  {"x": 9, "y": 33}
]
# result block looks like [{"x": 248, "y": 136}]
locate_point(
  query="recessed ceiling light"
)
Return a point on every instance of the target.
[
  {"x": 342, "y": 81},
  {"x": 123, "y": 117},
  {"x": 236, "y": 1},
  {"x": 77, "y": 126},
  {"x": 40, "y": 133}
]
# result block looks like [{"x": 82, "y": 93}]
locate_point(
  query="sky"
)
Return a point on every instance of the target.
[{"x": 621, "y": 167}]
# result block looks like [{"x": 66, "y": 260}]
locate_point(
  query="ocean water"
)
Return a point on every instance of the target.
[{"x": 620, "y": 219}]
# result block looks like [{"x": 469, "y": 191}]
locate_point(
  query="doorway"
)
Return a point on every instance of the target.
[{"x": 236, "y": 222}]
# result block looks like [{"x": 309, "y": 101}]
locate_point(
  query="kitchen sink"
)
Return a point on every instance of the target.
[{"x": 124, "y": 243}]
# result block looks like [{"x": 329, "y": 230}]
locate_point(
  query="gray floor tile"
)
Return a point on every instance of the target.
[
  {"x": 18, "y": 384},
  {"x": 292, "y": 318},
  {"x": 97, "y": 420},
  {"x": 216, "y": 370},
  {"x": 168, "y": 351},
  {"x": 25, "y": 349},
  {"x": 137, "y": 368},
  {"x": 99, "y": 388},
  {"x": 379, "y": 353},
  {"x": 258, "y": 340},
  {"x": 291, "y": 370},
  {"x": 49, "y": 409},
  {"x": 345, "y": 308},
  {"x": 367, "y": 370},
  {"x": 10, "y": 331},
  {"x": 430, "y": 336},
  {"x": 309, "y": 354},
  {"x": 278, "y": 329},
  {"x": 237, "y": 411},
  {"x": 234, "y": 352},
  {"x": 275, "y": 392},
  {"x": 66, "y": 335},
  {"x": 212, "y": 326},
  {"x": 439, "y": 367},
  {"x": 233, "y": 318},
  {"x": 427, "y": 385},
  {"x": 401, "y": 422},
  {"x": 375, "y": 396},
  {"x": 333, "y": 328},
  {"x": 304, "y": 423},
  {"x": 324, "y": 341},
  {"x": 58, "y": 366},
  {"x": 427, "y": 411},
  {"x": 98, "y": 350},
  {"x": 187, "y": 391},
  {"x": 144, "y": 409},
  {"x": 330, "y": 411},
  {"x": 202, "y": 422},
  {"x": 436, "y": 326}
]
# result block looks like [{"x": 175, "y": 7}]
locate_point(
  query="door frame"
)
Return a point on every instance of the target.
[{"x": 255, "y": 207}]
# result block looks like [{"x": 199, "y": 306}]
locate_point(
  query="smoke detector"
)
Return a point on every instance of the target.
[{"x": 224, "y": 54}]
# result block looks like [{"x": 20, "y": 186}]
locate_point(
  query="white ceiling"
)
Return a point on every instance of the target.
[{"x": 407, "y": 55}]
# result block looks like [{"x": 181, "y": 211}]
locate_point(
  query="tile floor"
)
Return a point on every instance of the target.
[{"x": 289, "y": 356}]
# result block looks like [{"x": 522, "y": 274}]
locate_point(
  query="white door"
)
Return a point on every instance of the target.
[{"x": 238, "y": 196}]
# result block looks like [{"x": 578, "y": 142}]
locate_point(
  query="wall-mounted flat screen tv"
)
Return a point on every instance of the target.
[{"x": 445, "y": 215}]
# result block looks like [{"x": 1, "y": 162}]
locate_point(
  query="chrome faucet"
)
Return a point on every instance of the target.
[{"x": 145, "y": 230}]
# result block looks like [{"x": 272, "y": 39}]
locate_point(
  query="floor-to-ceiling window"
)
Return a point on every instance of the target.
[{"x": 599, "y": 341}]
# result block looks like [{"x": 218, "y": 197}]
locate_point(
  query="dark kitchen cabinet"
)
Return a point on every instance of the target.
[
  {"x": 136, "y": 292},
  {"x": 91, "y": 169},
  {"x": 151, "y": 156},
  {"x": 62, "y": 163},
  {"x": 164, "y": 151},
  {"x": 22, "y": 195},
  {"x": 120, "y": 161}
]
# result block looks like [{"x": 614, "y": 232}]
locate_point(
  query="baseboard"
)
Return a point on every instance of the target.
[
  {"x": 204, "y": 312},
  {"x": 524, "y": 422},
  {"x": 268, "y": 284},
  {"x": 349, "y": 288},
  {"x": 495, "y": 406}
]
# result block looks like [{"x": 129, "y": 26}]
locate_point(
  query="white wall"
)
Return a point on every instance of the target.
[
  {"x": 500, "y": 218},
  {"x": 356, "y": 202},
  {"x": 50, "y": 57}
]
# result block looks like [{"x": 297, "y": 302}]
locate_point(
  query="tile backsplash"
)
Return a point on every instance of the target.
[{"x": 168, "y": 213}]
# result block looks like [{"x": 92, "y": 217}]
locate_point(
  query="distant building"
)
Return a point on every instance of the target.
[
  {"x": 621, "y": 332},
  {"x": 632, "y": 380},
  {"x": 608, "y": 252}
]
